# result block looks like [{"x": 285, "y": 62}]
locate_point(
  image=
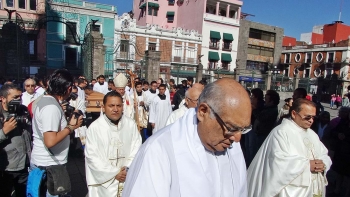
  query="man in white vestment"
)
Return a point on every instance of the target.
[
  {"x": 112, "y": 141},
  {"x": 191, "y": 99},
  {"x": 81, "y": 86},
  {"x": 167, "y": 92},
  {"x": 120, "y": 81},
  {"x": 200, "y": 154},
  {"x": 292, "y": 162},
  {"x": 142, "y": 113},
  {"x": 159, "y": 110},
  {"x": 101, "y": 86},
  {"x": 151, "y": 93},
  {"x": 29, "y": 95}
]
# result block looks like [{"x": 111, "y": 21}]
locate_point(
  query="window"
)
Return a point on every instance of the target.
[
  {"x": 178, "y": 51},
  {"x": 152, "y": 46},
  {"x": 213, "y": 43},
  {"x": 171, "y": 2},
  {"x": 150, "y": 11},
  {"x": 297, "y": 57},
  {"x": 257, "y": 50},
  {"x": 262, "y": 35},
  {"x": 225, "y": 65},
  {"x": 286, "y": 71},
  {"x": 155, "y": 12},
  {"x": 287, "y": 58},
  {"x": 319, "y": 57},
  {"x": 32, "y": 44},
  {"x": 191, "y": 55},
  {"x": 222, "y": 12},
  {"x": 71, "y": 57},
  {"x": 330, "y": 57},
  {"x": 212, "y": 65},
  {"x": 124, "y": 49},
  {"x": 308, "y": 58},
  {"x": 96, "y": 28},
  {"x": 170, "y": 18},
  {"x": 22, "y": 4},
  {"x": 71, "y": 29},
  {"x": 254, "y": 65},
  {"x": 9, "y": 3},
  {"x": 32, "y": 4},
  {"x": 227, "y": 45}
]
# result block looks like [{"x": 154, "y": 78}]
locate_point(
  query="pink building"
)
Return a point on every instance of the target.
[
  {"x": 30, "y": 11},
  {"x": 217, "y": 21}
]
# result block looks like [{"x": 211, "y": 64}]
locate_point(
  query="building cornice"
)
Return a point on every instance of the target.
[
  {"x": 316, "y": 50},
  {"x": 58, "y": 7}
]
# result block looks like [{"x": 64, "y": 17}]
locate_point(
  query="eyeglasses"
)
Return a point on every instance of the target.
[
  {"x": 231, "y": 131},
  {"x": 306, "y": 117},
  {"x": 192, "y": 100},
  {"x": 31, "y": 85}
]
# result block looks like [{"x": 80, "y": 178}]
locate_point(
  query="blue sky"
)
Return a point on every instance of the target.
[{"x": 295, "y": 16}]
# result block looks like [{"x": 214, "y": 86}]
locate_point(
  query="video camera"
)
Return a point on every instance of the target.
[
  {"x": 15, "y": 110},
  {"x": 70, "y": 111}
]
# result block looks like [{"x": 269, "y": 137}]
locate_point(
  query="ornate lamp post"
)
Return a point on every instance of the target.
[{"x": 275, "y": 71}]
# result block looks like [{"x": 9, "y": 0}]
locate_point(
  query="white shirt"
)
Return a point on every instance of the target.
[
  {"x": 39, "y": 90},
  {"x": 101, "y": 88},
  {"x": 48, "y": 116},
  {"x": 177, "y": 114},
  {"x": 28, "y": 98},
  {"x": 81, "y": 94}
]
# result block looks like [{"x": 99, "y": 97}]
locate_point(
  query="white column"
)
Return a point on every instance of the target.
[
  {"x": 182, "y": 51},
  {"x": 172, "y": 50},
  {"x": 157, "y": 45},
  {"x": 195, "y": 52},
  {"x": 186, "y": 52},
  {"x": 217, "y": 8},
  {"x": 147, "y": 40},
  {"x": 228, "y": 11}
]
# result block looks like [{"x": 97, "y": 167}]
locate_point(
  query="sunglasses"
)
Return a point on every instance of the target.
[
  {"x": 309, "y": 117},
  {"x": 33, "y": 86}
]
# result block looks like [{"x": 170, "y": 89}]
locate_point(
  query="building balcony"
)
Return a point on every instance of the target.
[
  {"x": 220, "y": 19},
  {"x": 177, "y": 59},
  {"x": 261, "y": 43},
  {"x": 213, "y": 45},
  {"x": 226, "y": 47}
]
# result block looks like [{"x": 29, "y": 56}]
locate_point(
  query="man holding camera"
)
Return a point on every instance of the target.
[
  {"x": 50, "y": 128},
  {"x": 15, "y": 144}
]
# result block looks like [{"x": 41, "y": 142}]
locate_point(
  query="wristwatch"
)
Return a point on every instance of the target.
[{"x": 71, "y": 129}]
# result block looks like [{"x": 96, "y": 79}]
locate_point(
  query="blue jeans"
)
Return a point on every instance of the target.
[
  {"x": 332, "y": 104},
  {"x": 32, "y": 167}
]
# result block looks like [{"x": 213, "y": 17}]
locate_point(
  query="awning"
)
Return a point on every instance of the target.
[
  {"x": 215, "y": 35},
  {"x": 155, "y": 5},
  {"x": 213, "y": 56},
  {"x": 226, "y": 57},
  {"x": 228, "y": 37},
  {"x": 142, "y": 6},
  {"x": 170, "y": 13},
  {"x": 183, "y": 73}
]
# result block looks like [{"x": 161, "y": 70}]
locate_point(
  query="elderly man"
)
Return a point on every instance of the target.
[
  {"x": 29, "y": 95},
  {"x": 120, "y": 82},
  {"x": 200, "y": 154},
  {"x": 191, "y": 99},
  {"x": 292, "y": 161}
]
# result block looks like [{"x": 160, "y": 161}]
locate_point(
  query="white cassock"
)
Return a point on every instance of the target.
[
  {"x": 150, "y": 96},
  {"x": 101, "y": 88},
  {"x": 143, "y": 115},
  {"x": 108, "y": 148},
  {"x": 81, "y": 94},
  {"x": 174, "y": 163},
  {"x": 159, "y": 112},
  {"x": 128, "y": 104},
  {"x": 177, "y": 114},
  {"x": 167, "y": 93},
  {"x": 281, "y": 167}
]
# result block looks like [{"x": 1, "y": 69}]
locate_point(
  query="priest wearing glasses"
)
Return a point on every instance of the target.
[{"x": 200, "y": 154}]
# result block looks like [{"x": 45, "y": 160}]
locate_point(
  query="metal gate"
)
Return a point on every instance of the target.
[{"x": 14, "y": 46}]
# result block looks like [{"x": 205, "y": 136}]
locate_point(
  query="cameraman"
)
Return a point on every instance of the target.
[
  {"x": 50, "y": 129},
  {"x": 15, "y": 144}
]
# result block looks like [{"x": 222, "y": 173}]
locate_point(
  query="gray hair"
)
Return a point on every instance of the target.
[
  {"x": 29, "y": 79},
  {"x": 212, "y": 95}
]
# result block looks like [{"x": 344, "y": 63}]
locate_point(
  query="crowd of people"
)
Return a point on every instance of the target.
[{"x": 162, "y": 139}]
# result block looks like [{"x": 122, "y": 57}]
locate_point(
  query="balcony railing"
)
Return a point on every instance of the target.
[
  {"x": 226, "y": 47},
  {"x": 177, "y": 59},
  {"x": 213, "y": 45}
]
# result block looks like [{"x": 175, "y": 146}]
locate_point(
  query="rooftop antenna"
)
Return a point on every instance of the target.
[{"x": 341, "y": 6}]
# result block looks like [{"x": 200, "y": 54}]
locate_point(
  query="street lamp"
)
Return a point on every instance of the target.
[{"x": 275, "y": 71}]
